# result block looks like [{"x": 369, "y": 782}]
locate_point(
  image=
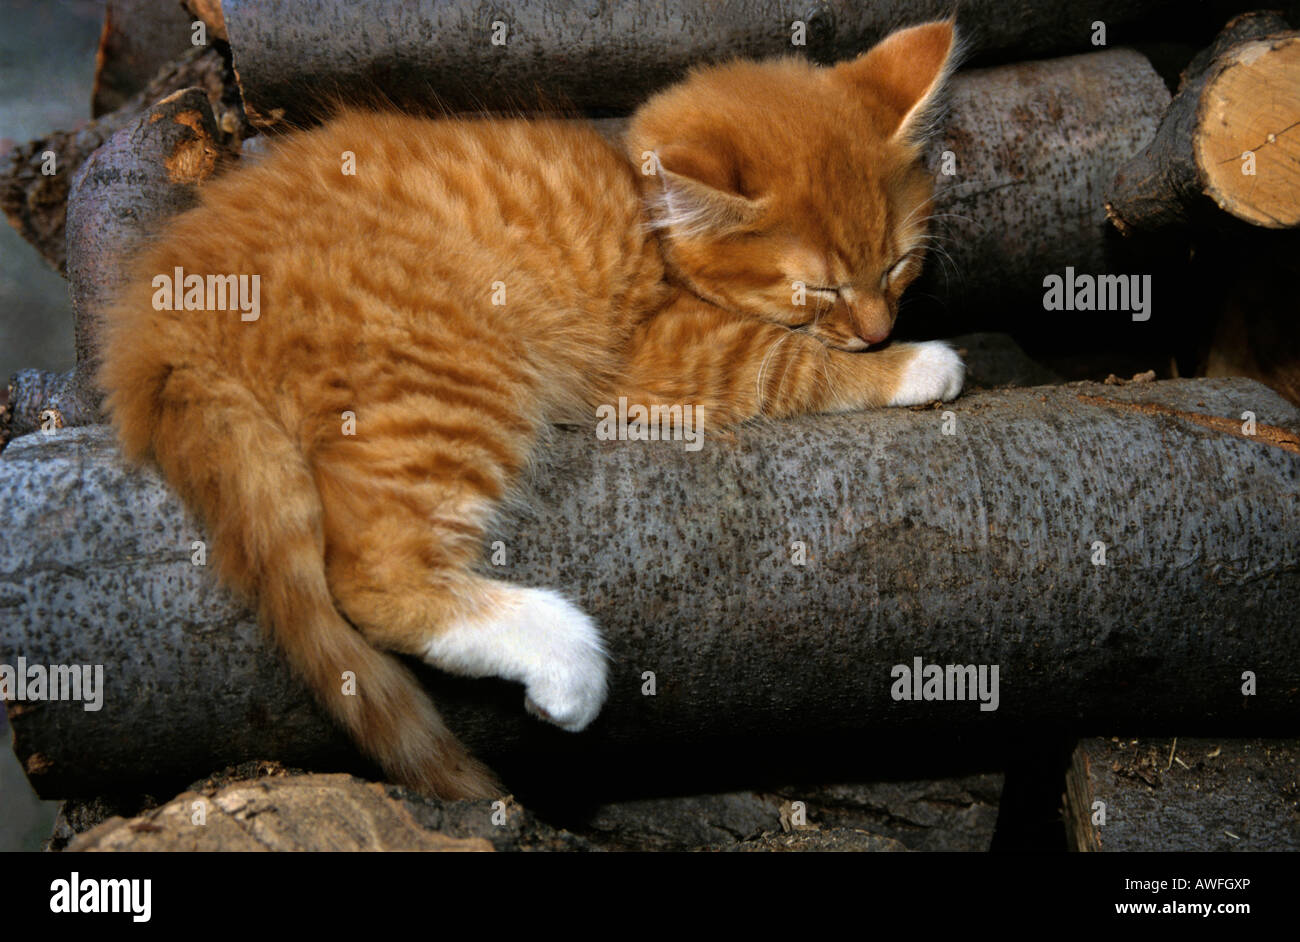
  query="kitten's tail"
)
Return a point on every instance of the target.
[{"x": 220, "y": 447}]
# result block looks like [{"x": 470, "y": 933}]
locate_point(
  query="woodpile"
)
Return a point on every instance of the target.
[
  {"x": 1070, "y": 544},
  {"x": 1074, "y": 121},
  {"x": 1112, "y": 556}
]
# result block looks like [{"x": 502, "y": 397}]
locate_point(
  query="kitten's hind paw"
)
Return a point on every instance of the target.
[
  {"x": 536, "y": 637},
  {"x": 567, "y": 685},
  {"x": 934, "y": 372}
]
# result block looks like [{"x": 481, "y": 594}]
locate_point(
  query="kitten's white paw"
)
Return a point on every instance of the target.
[
  {"x": 538, "y": 638},
  {"x": 935, "y": 372},
  {"x": 566, "y": 683}
]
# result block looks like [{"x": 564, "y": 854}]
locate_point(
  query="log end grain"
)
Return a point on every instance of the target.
[{"x": 1247, "y": 142}]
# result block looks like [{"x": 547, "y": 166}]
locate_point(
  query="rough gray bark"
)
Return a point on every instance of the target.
[
  {"x": 973, "y": 548},
  {"x": 142, "y": 176},
  {"x": 596, "y": 55},
  {"x": 47, "y": 400},
  {"x": 35, "y": 202},
  {"x": 1033, "y": 147},
  {"x": 1165, "y": 183},
  {"x": 1184, "y": 795}
]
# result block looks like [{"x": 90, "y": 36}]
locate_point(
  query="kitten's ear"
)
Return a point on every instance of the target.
[
  {"x": 700, "y": 190},
  {"x": 905, "y": 70}
]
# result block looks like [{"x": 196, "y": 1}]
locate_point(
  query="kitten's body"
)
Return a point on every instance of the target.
[{"x": 473, "y": 281}]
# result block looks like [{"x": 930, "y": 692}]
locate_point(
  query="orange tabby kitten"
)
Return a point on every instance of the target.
[{"x": 346, "y": 437}]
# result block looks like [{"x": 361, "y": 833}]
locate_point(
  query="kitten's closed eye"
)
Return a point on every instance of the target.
[
  {"x": 895, "y": 272},
  {"x": 738, "y": 206}
]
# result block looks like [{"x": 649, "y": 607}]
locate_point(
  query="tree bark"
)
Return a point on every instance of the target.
[
  {"x": 139, "y": 38},
  {"x": 976, "y": 548},
  {"x": 291, "y": 53},
  {"x": 1020, "y": 164},
  {"x": 35, "y": 201},
  {"x": 1230, "y": 139},
  {"x": 140, "y": 177},
  {"x": 1183, "y": 795}
]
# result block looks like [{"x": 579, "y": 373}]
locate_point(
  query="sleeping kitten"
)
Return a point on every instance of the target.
[{"x": 474, "y": 280}]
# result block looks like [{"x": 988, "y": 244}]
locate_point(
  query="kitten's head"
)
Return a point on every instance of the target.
[{"x": 763, "y": 176}]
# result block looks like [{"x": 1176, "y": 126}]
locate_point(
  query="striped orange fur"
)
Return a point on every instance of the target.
[{"x": 475, "y": 280}]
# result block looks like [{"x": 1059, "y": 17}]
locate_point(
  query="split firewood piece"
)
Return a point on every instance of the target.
[{"x": 1231, "y": 137}]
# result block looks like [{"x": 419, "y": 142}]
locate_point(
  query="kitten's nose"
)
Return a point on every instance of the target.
[{"x": 870, "y": 316}]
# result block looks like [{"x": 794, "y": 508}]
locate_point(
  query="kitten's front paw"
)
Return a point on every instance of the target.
[{"x": 934, "y": 372}]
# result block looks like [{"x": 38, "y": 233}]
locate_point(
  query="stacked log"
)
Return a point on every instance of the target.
[
  {"x": 1230, "y": 139},
  {"x": 291, "y": 53},
  {"x": 1179, "y": 794},
  {"x": 1099, "y": 551}
]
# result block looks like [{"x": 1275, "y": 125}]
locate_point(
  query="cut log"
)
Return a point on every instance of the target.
[
  {"x": 1020, "y": 162},
  {"x": 144, "y": 174},
  {"x": 290, "y": 53},
  {"x": 1119, "y": 553},
  {"x": 1230, "y": 139},
  {"x": 35, "y": 200},
  {"x": 1184, "y": 795}
]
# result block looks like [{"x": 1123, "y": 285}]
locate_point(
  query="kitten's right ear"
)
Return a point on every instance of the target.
[
  {"x": 699, "y": 190},
  {"x": 905, "y": 70}
]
